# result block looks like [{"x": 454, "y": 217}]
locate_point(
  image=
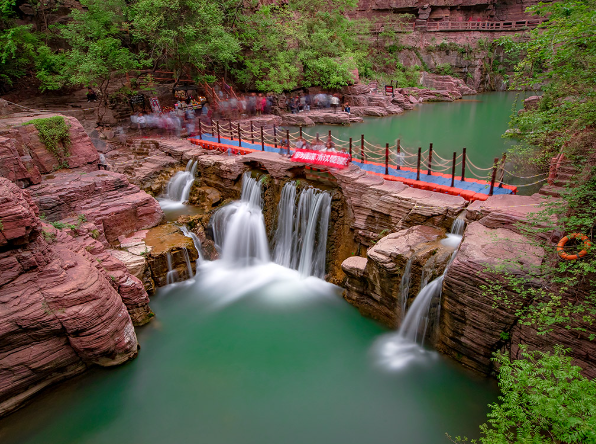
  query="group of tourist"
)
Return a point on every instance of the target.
[
  {"x": 304, "y": 102},
  {"x": 170, "y": 123},
  {"x": 233, "y": 107}
]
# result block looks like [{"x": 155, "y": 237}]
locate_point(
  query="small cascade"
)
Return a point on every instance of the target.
[
  {"x": 197, "y": 243},
  {"x": 458, "y": 225},
  {"x": 178, "y": 188},
  {"x": 172, "y": 275},
  {"x": 300, "y": 241},
  {"x": 239, "y": 227},
  {"x": 282, "y": 241},
  {"x": 420, "y": 322},
  {"x": 415, "y": 325},
  {"x": 404, "y": 286},
  {"x": 187, "y": 260}
]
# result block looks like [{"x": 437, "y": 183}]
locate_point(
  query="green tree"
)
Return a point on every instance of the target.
[
  {"x": 561, "y": 60},
  {"x": 96, "y": 54},
  {"x": 544, "y": 399},
  {"x": 298, "y": 43},
  {"x": 185, "y": 34}
]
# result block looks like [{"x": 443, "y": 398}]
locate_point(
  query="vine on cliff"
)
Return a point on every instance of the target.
[{"x": 54, "y": 133}]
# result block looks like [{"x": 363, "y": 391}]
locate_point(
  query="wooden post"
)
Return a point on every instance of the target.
[
  {"x": 288, "y": 141},
  {"x": 274, "y": 136},
  {"x": 301, "y": 131},
  {"x": 453, "y": 171},
  {"x": 252, "y": 133},
  {"x": 218, "y": 134},
  {"x": 200, "y": 130},
  {"x": 386, "y": 159},
  {"x": 231, "y": 131},
  {"x": 502, "y": 176},
  {"x": 397, "y": 162},
  {"x": 430, "y": 159},
  {"x": 362, "y": 148},
  {"x": 330, "y": 134},
  {"x": 492, "y": 180},
  {"x": 350, "y": 147},
  {"x": 418, "y": 164},
  {"x": 262, "y": 140},
  {"x": 463, "y": 166},
  {"x": 239, "y": 135}
]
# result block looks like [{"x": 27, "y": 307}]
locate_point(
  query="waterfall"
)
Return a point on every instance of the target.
[
  {"x": 282, "y": 241},
  {"x": 172, "y": 275},
  {"x": 458, "y": 225},
  {"x": 196, "y": 241},
  {"x": 398, "y": 349},
  {"x": 414, "y": 326},
  {"x": 187, "y": 260},
  {"x": 300, "y": 241},
  {"x": 178, "y": 188},
  {"x": 239, "y": 227}
]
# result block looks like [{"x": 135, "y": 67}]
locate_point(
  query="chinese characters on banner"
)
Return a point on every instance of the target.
[{"x": 334, "y": 160}]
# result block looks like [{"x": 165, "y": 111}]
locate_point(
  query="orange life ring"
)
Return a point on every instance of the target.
[{"x": 572, "y": 257}]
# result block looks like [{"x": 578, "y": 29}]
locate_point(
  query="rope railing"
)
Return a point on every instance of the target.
[{"x": 395, "y": 156}]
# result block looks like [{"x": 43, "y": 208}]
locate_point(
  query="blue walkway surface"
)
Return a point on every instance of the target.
[{"x": 379, "y": 169}]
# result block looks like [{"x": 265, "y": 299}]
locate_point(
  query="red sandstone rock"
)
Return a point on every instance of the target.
[
  {"x": 373, "y": 284},
  {"x": 454, "y": 86},
  {"x": 82, "y": 152},
  {"x": 15, "y": 166},
  {"x": 18, "y": 216},
  {"x": 384, "y": 206},
  {"x": 510, "y": 211},
  {"x": 60, "y": 311},
  {"x": 104, "y": 197},
  {"x": 471, "y": 325}
]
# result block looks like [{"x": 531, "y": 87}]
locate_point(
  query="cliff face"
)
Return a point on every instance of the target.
[
  {"x": 58, "y": 312},
  {"x": 66, "y": 302},
  {"x": 458, "y": 10}
]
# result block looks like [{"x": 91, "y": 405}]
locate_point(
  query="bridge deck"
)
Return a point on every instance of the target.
[{"x": 470, "y": 189}]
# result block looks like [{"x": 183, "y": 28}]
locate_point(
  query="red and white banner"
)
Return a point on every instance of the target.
[
  {"x": 154, "y": 101},
  {"x": 334, "y": 160}
]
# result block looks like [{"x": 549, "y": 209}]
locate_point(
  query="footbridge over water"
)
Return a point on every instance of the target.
[{"x": 422, "y": 169}]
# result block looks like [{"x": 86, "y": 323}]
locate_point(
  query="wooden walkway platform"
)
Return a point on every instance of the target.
[{"x": 469, "y": 189}]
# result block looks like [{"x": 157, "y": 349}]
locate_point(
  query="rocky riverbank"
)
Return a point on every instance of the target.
[{"x": 74, "y": 279}]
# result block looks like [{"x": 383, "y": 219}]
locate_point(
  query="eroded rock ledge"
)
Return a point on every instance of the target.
[{"x": 60, "y": 309}]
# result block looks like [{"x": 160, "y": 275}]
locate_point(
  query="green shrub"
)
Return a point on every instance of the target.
[{"x": 54, "y": 133}]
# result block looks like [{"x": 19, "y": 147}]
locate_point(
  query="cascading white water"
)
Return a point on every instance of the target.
[
  {"x": 187, "y": 260},
  {"x": 172, "y": 275},
  {"x": 458, "y": 225},
  {"x": 197, "y": 243},
  {"x": 397, "y": 349},
  {"x": 300, "y": 241},
  {"x": 239, "y": 227},
  {"x": 178, "y": 188},
  {"x": 282, "y": 241}
]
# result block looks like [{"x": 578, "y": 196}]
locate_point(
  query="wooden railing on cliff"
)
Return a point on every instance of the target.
[
  {"x": 481, "y": 26},
  {"x": 487, "y": 25}
]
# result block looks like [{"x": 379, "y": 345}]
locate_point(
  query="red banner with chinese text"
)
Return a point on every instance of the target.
[{"x": 333, "y": 160}]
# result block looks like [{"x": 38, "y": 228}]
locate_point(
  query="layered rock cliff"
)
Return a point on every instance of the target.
[{"x": 59, "y": 313}]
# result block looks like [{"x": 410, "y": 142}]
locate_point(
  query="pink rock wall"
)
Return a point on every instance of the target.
[
  {"x": 28, "y": 146},
  {"x": 60, "y": 308}
]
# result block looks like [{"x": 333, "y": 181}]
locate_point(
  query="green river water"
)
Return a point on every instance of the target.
[
  {"x": 287, "y": 361},
  {"x": 476, "y": 123}
]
